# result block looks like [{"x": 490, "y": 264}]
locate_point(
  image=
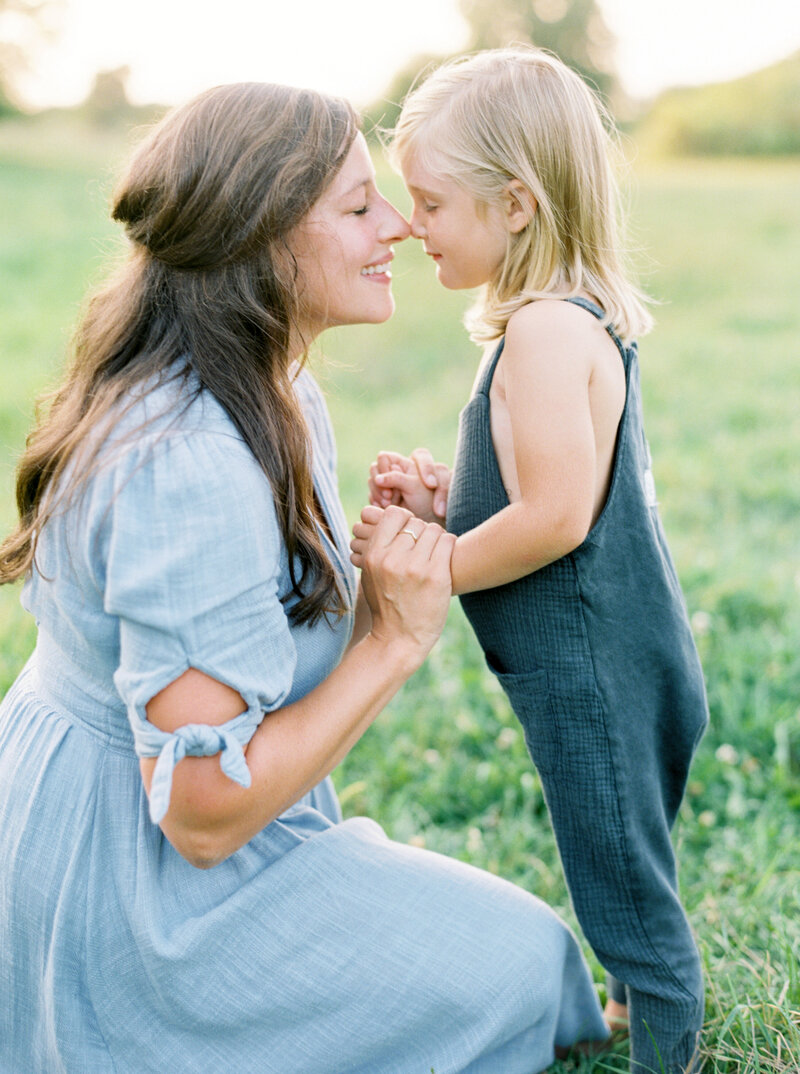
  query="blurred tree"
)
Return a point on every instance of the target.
[
  {"x": 574, "y": 29},
  {"x": 756, "y": 115},
  {"x": 107, "y": 101},
  {"x": 23, "y": 23}
]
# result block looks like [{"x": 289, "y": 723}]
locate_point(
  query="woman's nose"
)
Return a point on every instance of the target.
[{"x": 394, "y": 227}]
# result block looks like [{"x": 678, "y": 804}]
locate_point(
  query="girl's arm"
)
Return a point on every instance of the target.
[
  {"x": 545, "y": 368},
  {"x": 407, "y": 587},
  {"x": 415, "y": 482}
]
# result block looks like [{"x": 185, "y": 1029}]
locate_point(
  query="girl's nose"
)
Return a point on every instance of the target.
[{"x": 417, "y": 227}]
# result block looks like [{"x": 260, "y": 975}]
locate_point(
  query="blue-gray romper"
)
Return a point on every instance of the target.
[{"x": 596, "y": 655}]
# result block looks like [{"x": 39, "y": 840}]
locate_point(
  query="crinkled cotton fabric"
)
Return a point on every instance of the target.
[{"x": 320, "y": 947}]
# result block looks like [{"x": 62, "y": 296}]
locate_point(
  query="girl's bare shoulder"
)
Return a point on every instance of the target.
[{"x": 553, "y": 325}]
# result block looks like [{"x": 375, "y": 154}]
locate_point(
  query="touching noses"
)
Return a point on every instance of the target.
[
  {"x": 417, "y": 227},
  {"x": 394, "y": 226}
]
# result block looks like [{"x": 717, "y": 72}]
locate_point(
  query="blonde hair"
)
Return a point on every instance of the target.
[{"x": 519, "y": 113}]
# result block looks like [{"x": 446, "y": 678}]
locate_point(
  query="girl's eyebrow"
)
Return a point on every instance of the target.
[{"x": 423, "y": 190}]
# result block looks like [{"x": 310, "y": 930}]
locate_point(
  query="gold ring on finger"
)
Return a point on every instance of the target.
[{"x": 411, "y": 533}]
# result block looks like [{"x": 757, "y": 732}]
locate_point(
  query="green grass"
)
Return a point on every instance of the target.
[{"x": 445, "y": 765}]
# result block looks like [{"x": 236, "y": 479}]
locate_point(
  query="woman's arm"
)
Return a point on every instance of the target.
[
  {"x": 407, "y": 588},
  {"x": 362, "y": 619}
]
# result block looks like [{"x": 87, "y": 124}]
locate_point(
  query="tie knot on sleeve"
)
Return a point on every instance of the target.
[{"x": 195, "y": 740}]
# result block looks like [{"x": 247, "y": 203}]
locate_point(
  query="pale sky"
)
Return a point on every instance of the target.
[{"x": 175, "y": 48}]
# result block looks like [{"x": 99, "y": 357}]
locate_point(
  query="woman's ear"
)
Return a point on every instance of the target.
[{"x": 520, "y": 206}]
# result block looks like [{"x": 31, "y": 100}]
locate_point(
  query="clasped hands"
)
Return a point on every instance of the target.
[
  {"x": 416, "y": 484},
  {"x": 401, "y": 547}
]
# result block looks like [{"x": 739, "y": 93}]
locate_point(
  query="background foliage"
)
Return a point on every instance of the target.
[{"x": 758, "y": 115}]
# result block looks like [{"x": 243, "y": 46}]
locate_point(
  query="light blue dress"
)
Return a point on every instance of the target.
[{"x": 320, "y": 947}]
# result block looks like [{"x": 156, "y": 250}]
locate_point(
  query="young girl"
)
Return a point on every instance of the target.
[{"x": 560, "y": 560}]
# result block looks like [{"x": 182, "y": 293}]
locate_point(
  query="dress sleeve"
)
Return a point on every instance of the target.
[{"x": 191, "y": 556}]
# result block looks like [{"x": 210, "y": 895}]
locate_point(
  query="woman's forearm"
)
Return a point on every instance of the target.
[
  {"x": 362, "y": 620},
  {"x": 294, "y": 748}
]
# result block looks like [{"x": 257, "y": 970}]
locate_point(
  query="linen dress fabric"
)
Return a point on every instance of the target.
[
  {"x": 596, "y": 655},
  {"x": 320, "y": 947}
]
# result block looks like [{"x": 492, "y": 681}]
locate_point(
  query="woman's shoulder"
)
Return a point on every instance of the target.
[
  {"x": 173, "y": 405},
  {"x": 172, "y": 436},
  {"x": 315, "y": 410}
]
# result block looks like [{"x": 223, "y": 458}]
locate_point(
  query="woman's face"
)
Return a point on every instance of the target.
[{"x": 343, "y": 249}]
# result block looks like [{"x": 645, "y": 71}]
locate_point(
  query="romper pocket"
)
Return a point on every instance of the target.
[{"x": 529, "y": 695}]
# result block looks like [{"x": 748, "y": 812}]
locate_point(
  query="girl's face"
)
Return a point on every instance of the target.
[
  {"x": 343, "y": 249},
  {"x": 467, "y": 239}
]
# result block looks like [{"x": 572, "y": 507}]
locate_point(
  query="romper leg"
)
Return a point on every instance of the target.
[{"x": 612, "y": 807}]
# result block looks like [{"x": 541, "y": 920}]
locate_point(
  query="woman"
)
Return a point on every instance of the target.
[{"x": 187, "y": 563}]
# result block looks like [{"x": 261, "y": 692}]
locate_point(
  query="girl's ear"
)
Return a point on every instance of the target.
[{"x": 520, "y": 206}]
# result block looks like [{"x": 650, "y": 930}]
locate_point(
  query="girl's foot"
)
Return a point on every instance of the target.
[{"x": 616, "y": 1015}]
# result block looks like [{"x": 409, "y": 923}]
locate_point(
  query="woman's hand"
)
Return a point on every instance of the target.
[
  {"x": 415, "y": 482},
  {"x": 405, "y": 575}
]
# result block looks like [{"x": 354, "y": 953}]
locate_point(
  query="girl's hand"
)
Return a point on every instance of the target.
[
  {"x": 405, "y": 576},
  {"x": 417, "y": 483},
  {"x": 362, "y": 533}
]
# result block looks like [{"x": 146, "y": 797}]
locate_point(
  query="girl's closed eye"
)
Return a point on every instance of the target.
[{"x": 362, "y": 211}]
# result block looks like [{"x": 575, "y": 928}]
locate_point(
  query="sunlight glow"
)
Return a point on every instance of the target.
[{"x": 175, "y": 48}]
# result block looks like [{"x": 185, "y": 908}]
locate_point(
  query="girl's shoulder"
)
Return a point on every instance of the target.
[
  {"x": 553, "y": 325},
  {"x": 560, "y": 314}
]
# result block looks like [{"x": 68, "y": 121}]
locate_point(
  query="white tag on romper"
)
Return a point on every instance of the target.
[
  {"x": 649, "y": 482},
  {"x": 649, "y": 488}
]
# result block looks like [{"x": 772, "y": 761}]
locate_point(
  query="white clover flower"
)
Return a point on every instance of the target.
[
  {"x": 701, "y": 623},
  {"x": 727, "y": 754}
]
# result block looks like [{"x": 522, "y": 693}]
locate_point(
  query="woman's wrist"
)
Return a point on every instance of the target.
[{"x": 400, "y": 653}]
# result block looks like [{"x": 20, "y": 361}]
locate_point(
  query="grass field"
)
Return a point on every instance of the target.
[{"x": 445, "y": 766}]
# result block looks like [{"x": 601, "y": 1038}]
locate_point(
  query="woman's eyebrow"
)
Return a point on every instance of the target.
[{"x": 356, "y": 186}]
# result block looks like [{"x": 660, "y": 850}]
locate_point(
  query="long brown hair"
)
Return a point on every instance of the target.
[{"x": 208, "y": 201}]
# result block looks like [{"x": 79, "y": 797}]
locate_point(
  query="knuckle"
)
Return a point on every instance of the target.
[
  {"x": 371, "y": 559},
  {"x": 397, "y": 513}
]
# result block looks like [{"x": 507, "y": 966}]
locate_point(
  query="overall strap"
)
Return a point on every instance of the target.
[
  {"x": 584, "y": 303},
  {"x": 596, "y": 311},
  {"x": 591, "y": 307},
  {"x": 488, "y": 374}
]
